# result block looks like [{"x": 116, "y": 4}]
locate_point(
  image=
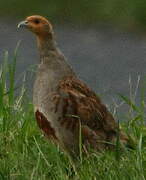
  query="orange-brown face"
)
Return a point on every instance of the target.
[{"x": 37, "y": 24}]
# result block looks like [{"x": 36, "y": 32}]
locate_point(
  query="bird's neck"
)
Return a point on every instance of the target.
[
  {"x": 46, "y": 44},
  {"x": 51, "y": 56}
]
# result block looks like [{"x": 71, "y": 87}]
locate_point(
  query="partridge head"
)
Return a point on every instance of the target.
[{"x": 37, "y": 24}]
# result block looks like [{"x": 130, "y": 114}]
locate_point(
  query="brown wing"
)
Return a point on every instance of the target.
[
  {"x": 79, "y": 105},
  {"x": 78, "y": 102}
]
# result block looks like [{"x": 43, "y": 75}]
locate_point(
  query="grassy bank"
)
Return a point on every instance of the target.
[
  {"x": 130, "y": 13},
  {"x": 26, "y": 155}
]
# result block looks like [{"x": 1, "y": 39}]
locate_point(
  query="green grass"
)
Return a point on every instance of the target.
[{"x": 26, "y": 155}]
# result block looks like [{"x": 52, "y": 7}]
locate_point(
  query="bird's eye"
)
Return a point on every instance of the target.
[{"x": 36, "y": 21}]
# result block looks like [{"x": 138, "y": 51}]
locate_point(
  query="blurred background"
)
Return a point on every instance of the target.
[{"x": 104, "y": 40}]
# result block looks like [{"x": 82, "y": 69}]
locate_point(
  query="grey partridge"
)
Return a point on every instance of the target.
[{"x": 65, "y": 107}]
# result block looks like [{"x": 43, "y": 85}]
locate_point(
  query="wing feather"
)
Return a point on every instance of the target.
[{"x": 80, "y": 102}]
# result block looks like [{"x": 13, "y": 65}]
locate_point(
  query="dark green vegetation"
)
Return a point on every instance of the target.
[
  {"x": 26, "y": 155},
  {"x": 129, "y": 14}
]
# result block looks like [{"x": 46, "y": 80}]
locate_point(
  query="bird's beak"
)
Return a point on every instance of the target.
[{"x": 23, "y": 24}]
